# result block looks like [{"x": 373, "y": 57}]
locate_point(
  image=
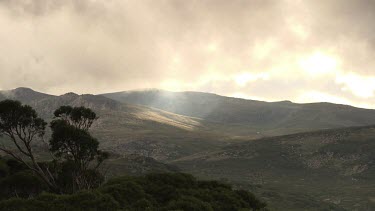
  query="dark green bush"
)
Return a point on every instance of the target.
[
  {"x": 22, "y": 184},
  {"x": 15, "y": 166},
  {"x": 151, "y": 192},
  {"x": 17, "y": 204},
  {"x": 126, "y": 193},
  {"x": 4, "y": 170},
  {"x": 188, "y": 203},
  {"x": 88, "y": 201},
  {"x": 144, "y": 205},
  {"x": 250, "y": 199}
]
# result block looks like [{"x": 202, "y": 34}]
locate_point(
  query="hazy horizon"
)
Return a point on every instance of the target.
[{"x": 270, "y": 50}]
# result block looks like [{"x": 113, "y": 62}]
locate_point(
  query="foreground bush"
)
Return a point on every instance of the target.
[
  {"x": 88, "y": 201},
  {"x": 151, "y": 192}
]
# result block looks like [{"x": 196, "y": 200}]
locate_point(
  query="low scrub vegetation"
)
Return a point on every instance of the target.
[{"x": 21, "y": 190}]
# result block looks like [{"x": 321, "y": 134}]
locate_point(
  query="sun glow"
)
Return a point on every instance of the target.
[
  {"x": 246, "y": 77},
  {"x": 212, "y": 47},
  {"x": 360, "y": 86},
  {"x": 319, "y": 64}
]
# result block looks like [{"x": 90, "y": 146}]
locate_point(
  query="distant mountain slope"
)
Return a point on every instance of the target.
[
  {"x": 336, "y": 166},
  {"x": 271, "y": 118},
  {"x": 125, "y": 128},
  {"x": 26, "y": 95}
]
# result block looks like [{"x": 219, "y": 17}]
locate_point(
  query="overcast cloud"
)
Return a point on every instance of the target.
[{"x": 304, "y": 51}]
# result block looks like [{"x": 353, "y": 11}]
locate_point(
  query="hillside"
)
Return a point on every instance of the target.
[
  {"x": 249, "y": 117},
  {"x": 229, "y": 139},
  {"x": 299, "y": 171},
  {"x": 128, "y": 129},
  {"x": 25, "y": 95},
  {"x": 134, "y": 128}
]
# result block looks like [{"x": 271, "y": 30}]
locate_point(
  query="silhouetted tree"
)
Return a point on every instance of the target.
[
  {"x": 72, "y": 142},
  {"x": 21, "y": 124},
  {"x": 79, "y": 117}
]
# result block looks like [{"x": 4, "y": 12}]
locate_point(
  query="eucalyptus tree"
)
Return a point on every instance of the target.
[
  {"x": 72, "y": 142},
  {"x": 22, "y": 126}
]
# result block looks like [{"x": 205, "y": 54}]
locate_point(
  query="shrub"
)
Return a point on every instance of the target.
[
  {"x": 151, "y": 192},
  {"x": 22, "y": 184},
  {"x": 188, "y": 203},
  {"x": 126, "y": 193},
  {"x": 4, "y": 170}
]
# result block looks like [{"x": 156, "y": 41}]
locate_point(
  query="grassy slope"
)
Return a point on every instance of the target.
[
  {"x": 249, "y": 117},
  {"x": 336, "y": 166}
]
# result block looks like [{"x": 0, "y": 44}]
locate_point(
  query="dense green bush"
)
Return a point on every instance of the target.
[
  {"x": 17, "y": 181},
  {"x": 22, "y": 184},
  {"x": 188, "y": 203},
  {"x": 88, "y": 201},
  {"x": 151, "y": 192},
  {"x": 4, "y": 170}
]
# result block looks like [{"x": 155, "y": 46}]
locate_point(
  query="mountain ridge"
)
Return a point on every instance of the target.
[
  {"x": 231, "y": 116},
  {"x": 271, "y": 116},
  {"x": 125, "y": 128},
  {"x": 231, "y": 97},
  {"x": 30, "y": 90}
]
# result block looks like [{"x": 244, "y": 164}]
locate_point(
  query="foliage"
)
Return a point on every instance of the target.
[
  {"x": 178, "y": 191},
  {"x": 19, "y": 181},
  {"x": 72, "y": 142},
  {"x": 4, "y": 170},
  {"x": 150, "y": 192},
  {"x": 22, "y": 184},
  {"x": 21, "y": 124},
  {"x": 66, "y": 175},
  {"x": 90, "y": 201},
  {"x": 79, "y": 117},
  {"x": 20, "y": 120}
]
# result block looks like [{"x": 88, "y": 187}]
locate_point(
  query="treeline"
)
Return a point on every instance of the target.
[{"x": 71, "y": 179}]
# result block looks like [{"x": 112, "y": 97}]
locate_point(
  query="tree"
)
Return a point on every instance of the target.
[
  {"x": 21, "y": 124},
  {"x": 79, "y": 117},
  {"x": 72, "y": 142}
]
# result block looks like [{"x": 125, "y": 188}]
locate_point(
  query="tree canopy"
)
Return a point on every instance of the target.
[
  {"x": 71, "y": 143},
  {"x": 21, "y": 124}
]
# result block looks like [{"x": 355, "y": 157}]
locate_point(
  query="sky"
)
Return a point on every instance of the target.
[{"x": 272, "y": 50}]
